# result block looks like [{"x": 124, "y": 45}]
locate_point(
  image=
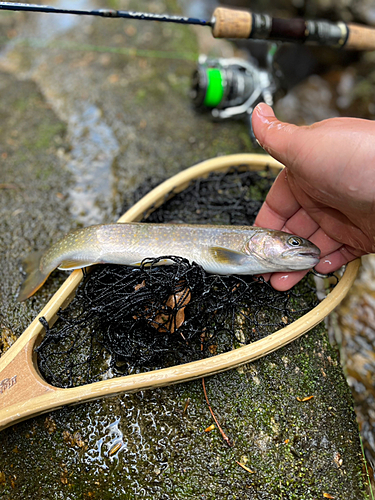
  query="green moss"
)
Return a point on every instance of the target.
[
  {"x": 45, "y": 134},
  {"x": 113, "y": 4},
  {"x": 23, "y": 103},
  {"x": 296, "y": 449},
  {"x": 141, "y": 95}
]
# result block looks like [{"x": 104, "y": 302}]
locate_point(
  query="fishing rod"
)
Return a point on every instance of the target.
[{"x": 228, "y": 23}]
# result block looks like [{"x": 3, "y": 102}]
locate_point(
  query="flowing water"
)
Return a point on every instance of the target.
[{"x": 93, "y": 144}]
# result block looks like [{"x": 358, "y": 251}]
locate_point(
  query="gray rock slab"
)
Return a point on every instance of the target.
[{"x": 88, "y": 111}]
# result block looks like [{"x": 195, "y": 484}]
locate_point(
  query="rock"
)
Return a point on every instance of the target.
[{"x": 107, "y": 101}]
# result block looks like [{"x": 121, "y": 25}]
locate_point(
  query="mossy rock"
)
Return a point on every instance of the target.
[{"x": 295, "y": 449}]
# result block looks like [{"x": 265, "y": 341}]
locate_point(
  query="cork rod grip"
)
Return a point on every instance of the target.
[
  {"x": 230, "y": 23},
  {"x": 360, "y": 38}
]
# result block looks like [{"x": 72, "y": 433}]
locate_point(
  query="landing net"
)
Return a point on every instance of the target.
[{"x": 128, "y": 320}]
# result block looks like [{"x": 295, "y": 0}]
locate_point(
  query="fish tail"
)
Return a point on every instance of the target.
[{"x": 34, "y": 276}]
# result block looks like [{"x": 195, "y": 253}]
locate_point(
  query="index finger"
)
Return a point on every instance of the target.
[{"x": 279, "y": 206}]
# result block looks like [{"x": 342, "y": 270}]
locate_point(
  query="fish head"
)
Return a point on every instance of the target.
[{"x": 280, "y": 251}]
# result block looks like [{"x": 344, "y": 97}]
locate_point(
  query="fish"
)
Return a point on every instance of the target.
[{"x": 218, "y": 249}]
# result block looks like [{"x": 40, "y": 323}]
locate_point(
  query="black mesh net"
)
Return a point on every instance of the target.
[{"x": 125, "y": 320}]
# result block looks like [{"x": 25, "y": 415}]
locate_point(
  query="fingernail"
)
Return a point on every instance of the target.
[{"x": 264, "y": 110}]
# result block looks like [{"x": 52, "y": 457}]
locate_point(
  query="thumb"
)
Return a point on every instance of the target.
[{"x": 273, "y": 135}]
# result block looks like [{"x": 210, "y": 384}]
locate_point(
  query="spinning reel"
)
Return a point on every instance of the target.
[{"x": 231, "y": 88}]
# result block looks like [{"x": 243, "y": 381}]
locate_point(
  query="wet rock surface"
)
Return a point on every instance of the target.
[
  {"x": 89, "y": 109},
  {"x": 352, "y": 328},
  {"x": 147, "y": 446}
]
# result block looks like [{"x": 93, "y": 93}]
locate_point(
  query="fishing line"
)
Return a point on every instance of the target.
[{"x": 37, "y": 43}]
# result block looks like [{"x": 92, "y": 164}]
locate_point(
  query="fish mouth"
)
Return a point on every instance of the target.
[
  {"x": 302, "y": 253},
  {"x": 316, "y": 255},
  {"x": 310, "y": 255}
]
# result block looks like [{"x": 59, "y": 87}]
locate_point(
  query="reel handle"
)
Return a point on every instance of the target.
[{"x": 228, "y": 23}]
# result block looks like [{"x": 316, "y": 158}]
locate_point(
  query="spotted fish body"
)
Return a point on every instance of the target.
[{"x": 218, "y": 249}]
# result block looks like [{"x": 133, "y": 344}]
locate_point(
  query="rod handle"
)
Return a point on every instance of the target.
[
  {"x": 360, "y": 38},
  {"x": 228, "y": 23}
]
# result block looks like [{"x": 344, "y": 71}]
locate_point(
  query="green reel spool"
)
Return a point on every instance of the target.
[
  {"x": 215, "y": 88},
  {"x": 231, "y": 88},
  {"x": 208, "y": 87}
]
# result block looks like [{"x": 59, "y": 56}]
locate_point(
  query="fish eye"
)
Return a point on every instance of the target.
[{"x": 294, "y": 241}]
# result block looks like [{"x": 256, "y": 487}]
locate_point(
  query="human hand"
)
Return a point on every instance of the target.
[{"x": 326, "y": 193}]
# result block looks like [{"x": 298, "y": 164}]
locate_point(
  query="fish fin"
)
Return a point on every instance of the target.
[
  {"x": 68, "y": 265},
  {"x": 32, "y": 261},
  {"x": 34, "y": 277},
  {"x": 223, "y": 255}
]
